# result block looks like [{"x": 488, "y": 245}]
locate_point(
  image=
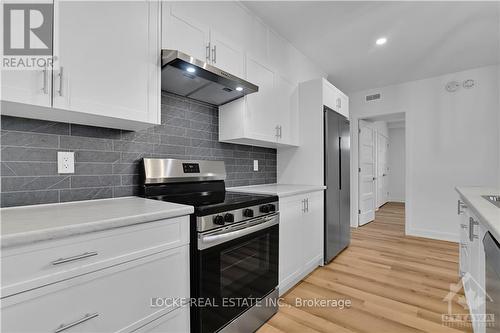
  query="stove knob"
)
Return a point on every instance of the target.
[
  {"x": 264, "y": 209},
  {"x": 218, "y": 219},
  {"x": 272, "y": 207},
  {"x": 248, "y": 212},
  {"x": 229, "y": 217}
]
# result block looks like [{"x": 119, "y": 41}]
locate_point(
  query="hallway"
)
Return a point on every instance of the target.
[{"x": 395, "y": 283}]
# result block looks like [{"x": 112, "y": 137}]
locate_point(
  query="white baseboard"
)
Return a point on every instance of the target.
[
  {"x": 295, "y": 278},
  {"x": 402, "y": 200},
  {"x": 433, "y": 234}
]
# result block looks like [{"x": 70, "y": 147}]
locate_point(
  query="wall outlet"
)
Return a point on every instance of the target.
[
  {"x": 65, "y": 162},
  {"x": 255, "y": 165}
]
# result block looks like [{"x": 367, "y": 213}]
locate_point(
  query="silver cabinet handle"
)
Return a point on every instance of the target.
[
  {"x": 214, "y": 54},
  {"x": 463, "y": 245},
  {"x": 60, "y": 91},
  {"x": 339, "y": 103},
  {"x": 277, "y": 128},
  {"x": 232, "y": 232},
  {"x": 307, "y": 205},
  {"x": 45, "y": 88},
  {"x": 463, "y": 226},
  {"x": 64, "y": 327},
  {"x": 280, "y": 131},
  {"x": 207, "y": 52},
  {"x": 78, "y": 257},
  {"x": 303, "y": 205}
]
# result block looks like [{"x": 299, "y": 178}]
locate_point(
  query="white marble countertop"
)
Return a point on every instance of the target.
[
  {"x": 281, "y": 190},
  {"x": 29, "y": 224},
  {"x": 488, "y": 213}
]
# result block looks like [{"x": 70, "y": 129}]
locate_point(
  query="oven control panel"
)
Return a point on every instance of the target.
[
  {"x": 191, "y": 167},
  {"x": 208, "y": 222}
]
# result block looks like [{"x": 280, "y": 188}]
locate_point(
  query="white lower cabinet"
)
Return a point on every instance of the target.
[
  {"x": 473, "y": 265},
  {"x": 301, "y": 237},
  {"x": 116, "y": 298}
]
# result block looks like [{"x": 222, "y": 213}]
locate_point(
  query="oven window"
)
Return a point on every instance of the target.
[{"x": 243, "y": 263}]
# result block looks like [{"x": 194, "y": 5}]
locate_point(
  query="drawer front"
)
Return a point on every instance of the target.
[
  {"x": 111, "y": 300},
  {"x": 51, "y": 261},
  {"x": 176, "y": 321}
]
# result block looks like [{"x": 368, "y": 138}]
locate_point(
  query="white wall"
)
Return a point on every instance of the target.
[
  {"x": 396, "y": 162},
  {"x": 451, "y": 140}
]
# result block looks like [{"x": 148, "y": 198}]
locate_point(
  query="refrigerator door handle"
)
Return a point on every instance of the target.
[{"x": 340, "y": 163}]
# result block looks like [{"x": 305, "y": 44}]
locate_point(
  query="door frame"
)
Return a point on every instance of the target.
[{"x": 355, "y": 166}]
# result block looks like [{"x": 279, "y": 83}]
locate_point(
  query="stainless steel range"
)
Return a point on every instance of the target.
[{"x": 234, "y": 244}]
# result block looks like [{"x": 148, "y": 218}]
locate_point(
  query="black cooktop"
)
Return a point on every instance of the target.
[{"x": 207, "y": 203}]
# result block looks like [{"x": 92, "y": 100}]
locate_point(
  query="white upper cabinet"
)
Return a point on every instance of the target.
[
  {"x": 180, "y": 32},
  {"x": 109, "y": 66},
  {"x": 184, "y": 32},
  {"x": 226, "y": 54},
  {"x": 29, "y": 86},
  {"x": 106, "y": 70},
  {"x": 335, "y": 99},
  {"x": 266, "y": 118},
  {"x": 260, "y": 121}
]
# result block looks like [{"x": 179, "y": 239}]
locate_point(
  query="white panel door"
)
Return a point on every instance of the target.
[
  {"x": 382, "y": 170},
  {"x": 226, "y": 54},
  {"x": 180, "y": 32},
  {"x": 261, "y": 115},
  {"x": 366, "y": 173},
  {"x": 108, "y": 58}
]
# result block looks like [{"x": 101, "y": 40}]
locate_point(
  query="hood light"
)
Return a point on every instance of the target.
[
  {"x": 191, "y": 69},
  {"x": 239, "y": 89}
]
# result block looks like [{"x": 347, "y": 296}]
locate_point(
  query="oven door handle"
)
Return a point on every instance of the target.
[{"x": 219, "y": 237}]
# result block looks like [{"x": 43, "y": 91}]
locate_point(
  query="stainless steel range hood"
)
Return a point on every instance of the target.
[{"x": 186, "y": 76}]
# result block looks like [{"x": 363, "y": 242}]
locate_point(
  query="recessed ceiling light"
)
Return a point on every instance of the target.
[
  {"x": 191, "y": 69},
  {"x": 239, "y": 89},
  {"x": 381, "y": 41}
]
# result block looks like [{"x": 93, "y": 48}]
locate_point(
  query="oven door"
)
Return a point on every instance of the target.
[{"x": 236, "y": 266}]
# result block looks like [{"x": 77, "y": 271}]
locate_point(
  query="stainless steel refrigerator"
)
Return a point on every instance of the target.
[{"x": 337, "y": 194}]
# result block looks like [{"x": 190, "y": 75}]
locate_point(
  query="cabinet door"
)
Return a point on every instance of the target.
[
  {"x": 108, "y": 58},
  {"x": 261, "y": 115},
  {"x": 27, "y": 86},
  {"x": 180, "y": 32},
  {"x": 286, "y": 95},
  {"x": 226, "y": 54},
  {"x": 290, "y": 245},
  {"x": 312, "y": 230}
]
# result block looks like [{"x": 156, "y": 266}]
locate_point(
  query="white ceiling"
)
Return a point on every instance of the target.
[{"x": 425, "y": 39}]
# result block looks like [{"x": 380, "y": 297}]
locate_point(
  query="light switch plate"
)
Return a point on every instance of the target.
[
  {"x": 65, "y": 162},
  {"x": 255, "y": 165}
]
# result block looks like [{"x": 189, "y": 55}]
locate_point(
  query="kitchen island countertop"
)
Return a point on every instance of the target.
[
  {"x": 488, "y": 214},
  {"x": 30, "y": 224}
]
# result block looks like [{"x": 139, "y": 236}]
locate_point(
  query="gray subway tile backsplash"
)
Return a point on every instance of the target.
[{"x": 107, "y": 160}]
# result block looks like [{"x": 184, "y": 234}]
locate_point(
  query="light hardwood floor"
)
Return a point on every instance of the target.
[{"x": 395, "y": 283}]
